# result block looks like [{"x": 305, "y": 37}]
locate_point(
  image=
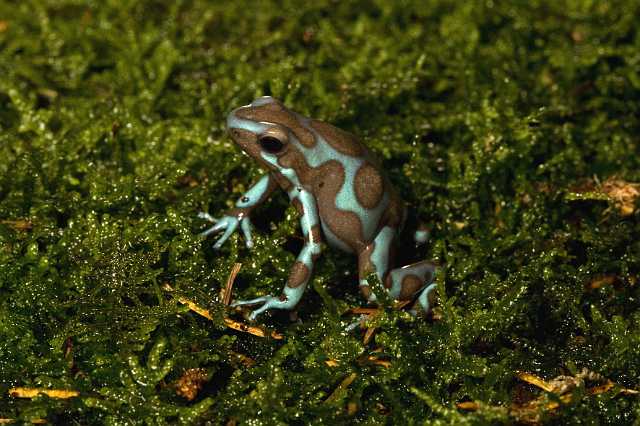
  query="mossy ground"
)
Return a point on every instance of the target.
[{"x": 498, "y": 122}]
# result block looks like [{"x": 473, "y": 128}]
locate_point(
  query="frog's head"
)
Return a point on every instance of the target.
[
  {"x": 267, "y": 130},
  {"x": 257, "y": 130}
]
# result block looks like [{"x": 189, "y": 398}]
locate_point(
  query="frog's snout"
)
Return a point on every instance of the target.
[
  {"x": 232, "y": 121},
  {"x": 264, "y": 100}
]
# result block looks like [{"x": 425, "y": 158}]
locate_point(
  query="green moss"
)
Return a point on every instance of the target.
[{"x": 491, "y": 118}]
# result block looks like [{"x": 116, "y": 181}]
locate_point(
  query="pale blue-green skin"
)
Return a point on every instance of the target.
[
  {"x": 257, "y": 191},
  {"x": 345, "y": 200},
  {"x": 231, "y": 223},
  {"x": 421, "y": 237}
]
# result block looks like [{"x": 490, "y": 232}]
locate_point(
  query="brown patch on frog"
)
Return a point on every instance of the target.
[
  {"x": 238, "y": 212},
  {"x": 395, "y": 213},
  {"x": 298, "y": 205},
  {"x": 298, "y": 275},
  {"x": 368, "y": 186},
  {"x": 247, "y": 141},
  {"x": 282, "y": 181},
  {"x": 365, "y": 265},
  {"x": 316, "y": 237},
  {"x": 338, "y": 139},
  {"x": 294, "y": 159},
  {"x": 409, "y": 286},
  {"x": 344, "y": 225},
  {"x": 366, "y": 291},
  {"x": 278, "y": 114}
]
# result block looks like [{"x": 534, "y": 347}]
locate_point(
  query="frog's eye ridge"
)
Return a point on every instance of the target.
[{"x": 271, "y": 144}]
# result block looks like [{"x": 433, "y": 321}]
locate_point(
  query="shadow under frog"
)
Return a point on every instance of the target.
[{"x": 340, "y": 192}]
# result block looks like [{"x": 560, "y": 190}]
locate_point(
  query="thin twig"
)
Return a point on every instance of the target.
[{"x": 226, "y": 297}]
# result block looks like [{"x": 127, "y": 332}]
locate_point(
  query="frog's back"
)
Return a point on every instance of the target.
[{"x": 355, "y": 198}]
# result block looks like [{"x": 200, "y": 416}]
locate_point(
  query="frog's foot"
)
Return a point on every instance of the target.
[
  {"x": 352, "y": 326},
  {"x": 425, "y": 300},
  {"x": 229, "y": 224},
  {"x": 207, "y": 216},
  {"x": 414, "y": 282},
  {"x": 288, "y": 300}
]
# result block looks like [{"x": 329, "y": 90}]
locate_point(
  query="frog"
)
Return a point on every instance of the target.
[{"x": 343, "y": 198}]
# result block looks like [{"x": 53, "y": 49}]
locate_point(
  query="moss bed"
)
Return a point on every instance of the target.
[{"x": 511, "y": 128}]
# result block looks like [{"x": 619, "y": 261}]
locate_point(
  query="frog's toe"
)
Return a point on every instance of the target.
[
  {"x": 206, "y": 216},
  {"x": 223, "y": 238},
  {"x": 215, "y": 228},
  {"x": 268, "y": 302},
  {"x": 250, "y": 302},
  {"x": 247, "y": 227}
]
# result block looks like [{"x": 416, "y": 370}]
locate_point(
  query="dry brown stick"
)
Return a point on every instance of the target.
[
  {"x": 368, "y": 335},
  {"x": 228, "y": 321},
  {"x": 226, "y": 298},
  {"x": 535, "y": 381}
]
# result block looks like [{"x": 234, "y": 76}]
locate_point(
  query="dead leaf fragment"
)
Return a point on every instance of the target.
[
  {"x": 19, "y": 225},
  {"x": 191, "y": 382},
  {"x": 244, "y": 360},
  {"x": 535, "y": 380},
  {"x": 342, "y": 387},
  {"x": 601, "y": 281},
  {"x": 468, "y": 405},
  {"x": 623, "y": 193},
  {"x": 51, "y": 393},
  {"x": 530, "y": 412},
  {"x": 368, "y": 335},
  {"x": 256, "y": 331},
  {"x": 332, "y": 362}
]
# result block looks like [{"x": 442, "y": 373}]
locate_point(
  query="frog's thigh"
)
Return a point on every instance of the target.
[
  {"x": 407, "y": 281},
  {"x": 376, "y": 257},
  {"x": 402, "y": 283}
]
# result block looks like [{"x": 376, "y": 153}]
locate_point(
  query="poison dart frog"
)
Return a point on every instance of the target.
[{"x": 340, "y": 193}]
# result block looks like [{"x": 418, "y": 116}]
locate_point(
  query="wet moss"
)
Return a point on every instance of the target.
[{"x": 502, "y": 124}]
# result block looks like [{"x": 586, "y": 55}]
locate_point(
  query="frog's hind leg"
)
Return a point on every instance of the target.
[
  {"x": 402, "y": 283},
  {"x": 413, "y": 279},
  {"x": 376, "y": 257}
]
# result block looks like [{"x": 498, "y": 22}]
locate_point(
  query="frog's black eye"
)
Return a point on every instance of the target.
[{"x": 270, "y": 144}]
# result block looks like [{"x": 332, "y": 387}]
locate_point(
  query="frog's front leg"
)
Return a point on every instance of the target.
[
  {"x": 239, "y": 216},
  {"x": 302, "y": 269}
]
